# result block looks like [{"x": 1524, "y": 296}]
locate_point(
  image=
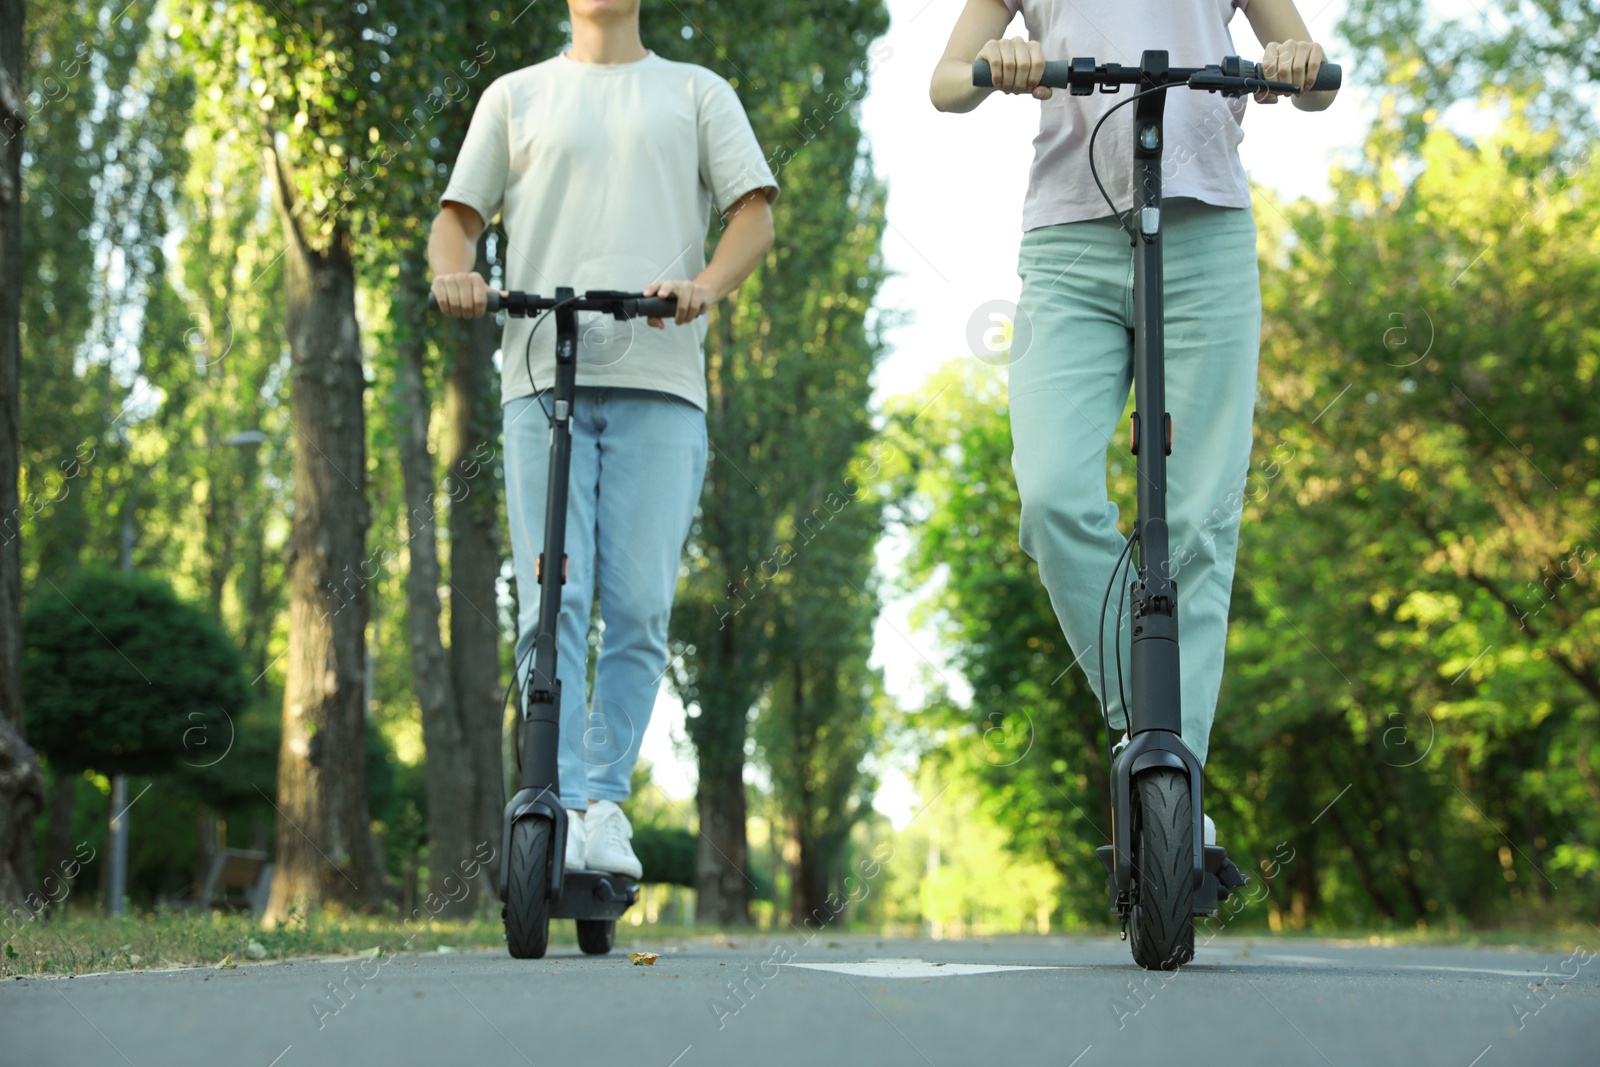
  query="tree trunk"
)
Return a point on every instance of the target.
[
  {"x": 209, "y": 841},
  {"x": 448, "y": 767},
  {"x": 721, "y": 885},
  {"x": 724, "y": 690},
  {"x": 58, "y": 843},
  {"x": 21, "y": 798},
  {"x": 808, "y": 885},
  {"x": 472, "y": 410},
  {"x": 21, "y": 783},
  {"x": 325, "y": 848}
]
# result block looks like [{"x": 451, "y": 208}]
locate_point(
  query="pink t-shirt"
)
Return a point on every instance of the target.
[{"x": 1203, "y": 130}]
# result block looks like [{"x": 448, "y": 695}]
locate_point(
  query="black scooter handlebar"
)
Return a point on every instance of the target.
[
  {"x": 622, "y": 305},
  {"x": 1058, "y": 73}
]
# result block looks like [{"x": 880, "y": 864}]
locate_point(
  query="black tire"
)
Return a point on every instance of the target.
[
  {"x": 595, "y": 936},
  {"x": 527, "y": 909},
  {"x": 1161, "y": 926}
]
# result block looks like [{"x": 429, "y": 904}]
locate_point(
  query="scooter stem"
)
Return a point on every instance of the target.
[
  {"x": 543, "y": 711},
  {"x": 1157, "y": 694}
]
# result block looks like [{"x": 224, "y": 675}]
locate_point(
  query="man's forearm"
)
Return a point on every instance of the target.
[
  {"x": 450, "y": 250},
  {"x": 744, "y": 244}
]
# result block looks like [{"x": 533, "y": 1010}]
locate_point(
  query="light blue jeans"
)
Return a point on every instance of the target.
[
  {"x": 1068, "y": 392},
  {"x": 638, "y": 461}
]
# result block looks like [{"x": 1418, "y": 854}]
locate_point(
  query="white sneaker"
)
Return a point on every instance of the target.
[
  {"x": 1211, "y": 830},
  {"x": 577, "y": 839},
  {"x": 608, "y": 849}
]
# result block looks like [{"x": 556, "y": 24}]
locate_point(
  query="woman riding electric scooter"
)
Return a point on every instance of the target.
[{"x": 1077, "y": 263}]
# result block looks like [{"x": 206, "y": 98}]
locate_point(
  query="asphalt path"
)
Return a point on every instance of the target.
[{"x": 1072, "y": 1002}]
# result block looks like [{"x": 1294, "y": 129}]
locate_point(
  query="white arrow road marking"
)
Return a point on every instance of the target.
[
  {"x": 1223, "y": 955},
  {"x": 1480, "y": 970},
  {"x": 918, "y": 968}
]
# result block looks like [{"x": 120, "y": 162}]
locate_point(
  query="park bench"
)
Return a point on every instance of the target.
[{"x": 238, "y": 869}]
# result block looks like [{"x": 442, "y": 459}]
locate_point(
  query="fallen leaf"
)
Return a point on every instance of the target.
[
  {"x": 643, "y": 959},
  {"x": 226, "y": 961}
]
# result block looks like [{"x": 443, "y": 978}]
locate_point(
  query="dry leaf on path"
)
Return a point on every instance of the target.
[{"x": 643, "y": 959}]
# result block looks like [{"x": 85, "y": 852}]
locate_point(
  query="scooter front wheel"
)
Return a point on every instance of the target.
[
  {"x": 1161, "y": 925},
  {"x": 527, "y": 909}
]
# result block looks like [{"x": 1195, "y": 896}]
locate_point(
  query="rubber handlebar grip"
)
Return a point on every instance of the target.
[
  {"x": 1329, "y": 76},
  {"x": 1055, "y": 74},
  {"x": 655, "y": 307},
  {"x": 494, "y": 301}
]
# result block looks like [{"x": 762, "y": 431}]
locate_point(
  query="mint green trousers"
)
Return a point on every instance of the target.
[{"x": 1069, "y": 388}]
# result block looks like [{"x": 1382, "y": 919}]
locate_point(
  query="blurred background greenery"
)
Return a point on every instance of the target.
[{"x": 1407, "y": 726}]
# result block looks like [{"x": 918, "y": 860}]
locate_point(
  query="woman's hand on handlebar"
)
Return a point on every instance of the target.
[
  {"x": 462, "y": 296},
  {"x": 1016, "y": 65},
  {"x": 1296, "y": 62},
  {"x": 693, "y": 300}
]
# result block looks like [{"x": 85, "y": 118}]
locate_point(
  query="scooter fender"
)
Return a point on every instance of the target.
[
  {"x": 1146, "y": 751},
  {"x": 536, "y": 803}
]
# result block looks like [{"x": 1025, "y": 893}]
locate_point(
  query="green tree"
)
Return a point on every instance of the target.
[
  {"x": 788, "y": 362},
  {"x": 1441, "y": 519},
  {"x": 121, "y": 676},
  {"x": 302, "y": 75},
  {"x": 1545, "y": 50},
  {"x": 20, "y": 783},
  {"x": 104, "y": 146},
  {"x": 1031, "y": 739},
  {"x": 429, "y": 105},
  {"x": 822, "y": 715}
]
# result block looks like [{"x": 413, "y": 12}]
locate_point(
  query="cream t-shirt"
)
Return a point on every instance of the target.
[
  {"x": 606, "y": 175},
  {"x": 1203, "y": 130}
]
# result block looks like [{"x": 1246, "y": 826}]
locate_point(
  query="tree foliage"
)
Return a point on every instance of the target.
[
  {"x": 788, "y": 366},
  {"x": 1410, "y": 702},
  {"x": 121, "y": 676}
]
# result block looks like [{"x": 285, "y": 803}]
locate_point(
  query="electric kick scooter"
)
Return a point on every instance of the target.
[
  {"x": 1162, "y": 872},
  {"x": 534, "y": 882}
]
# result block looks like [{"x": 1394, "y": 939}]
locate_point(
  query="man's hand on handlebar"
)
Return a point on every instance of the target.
[
  {"x": 693, "y": 300},
  {"x": 1296, "y": 62},
  {"x": 462, "y": 296},
  {"x": 1017, "y": 66}
]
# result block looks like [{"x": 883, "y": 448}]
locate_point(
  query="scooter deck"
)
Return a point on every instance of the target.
[{"x": 594, "y": 895}]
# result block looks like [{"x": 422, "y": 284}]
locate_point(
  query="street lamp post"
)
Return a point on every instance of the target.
[{"x": 117, "y": 829}]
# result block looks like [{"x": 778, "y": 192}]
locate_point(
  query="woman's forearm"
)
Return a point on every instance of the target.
[
  {"x": 951, "y": 88},
  {"x": 976, "y": 29}
]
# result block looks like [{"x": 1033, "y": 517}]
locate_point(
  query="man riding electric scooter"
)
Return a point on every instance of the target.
[{"x": 605, "y": 161}]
